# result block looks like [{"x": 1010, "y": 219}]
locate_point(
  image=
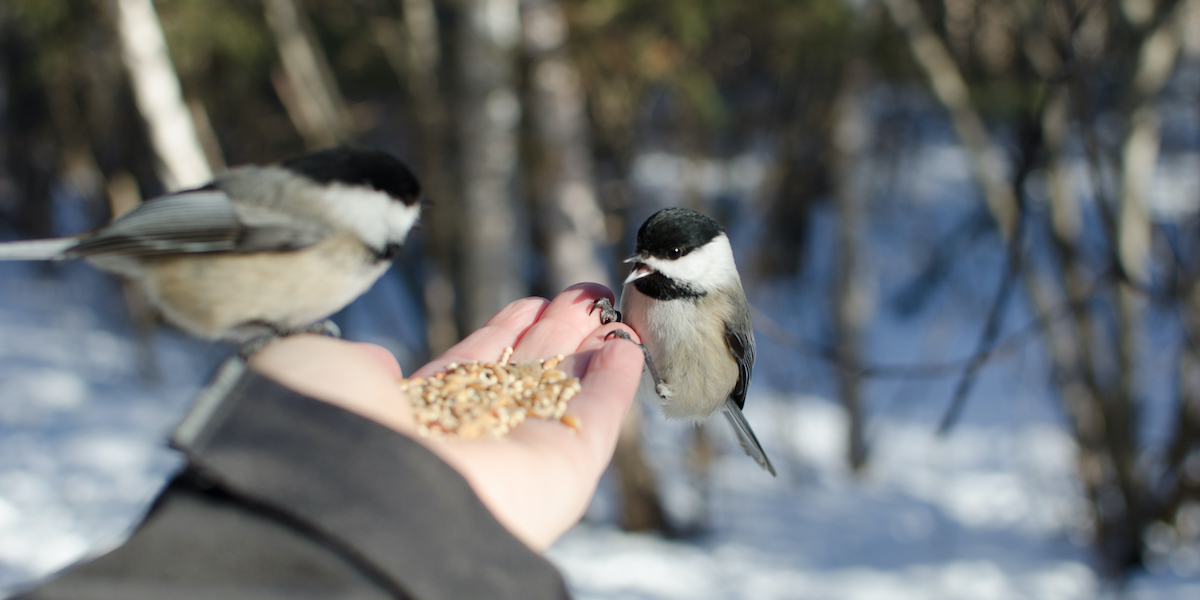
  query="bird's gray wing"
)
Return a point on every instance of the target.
[
  {"x": 745, "y": 436},
  {"x": 739, "y": 338},
  {"x": 203, "y": 220}
]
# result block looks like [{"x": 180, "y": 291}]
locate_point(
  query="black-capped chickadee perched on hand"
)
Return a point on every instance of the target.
[
  {"x": 261, "y": 250},
  {"x": 684, "y": 298}
]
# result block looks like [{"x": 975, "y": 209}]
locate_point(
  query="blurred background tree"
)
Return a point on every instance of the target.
[{"x": 545, "y": 131}]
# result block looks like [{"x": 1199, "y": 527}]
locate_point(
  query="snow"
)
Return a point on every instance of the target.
[
  {"x": 985, "y": 513},
  {"x": 82, "y": 426}
]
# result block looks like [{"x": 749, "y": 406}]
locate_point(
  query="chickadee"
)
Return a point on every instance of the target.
[
  {"x": 259, "y": 251},
  {"x": 684, "y": 298}
]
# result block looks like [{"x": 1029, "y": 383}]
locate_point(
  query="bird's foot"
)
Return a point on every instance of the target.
[
  {"x": 659, "y": 386},
  {"x": 255, "y": 344},
  {"x": 326, "y": 328},
  {"x": 621, "y": 333},
  {"x": 608, "y": 313}
]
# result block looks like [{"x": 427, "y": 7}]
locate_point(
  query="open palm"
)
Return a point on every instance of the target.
[{"x": 539, "y": 479}]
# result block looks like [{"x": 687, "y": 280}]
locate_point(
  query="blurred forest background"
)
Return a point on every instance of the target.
[{"x": 545, "y": 131}]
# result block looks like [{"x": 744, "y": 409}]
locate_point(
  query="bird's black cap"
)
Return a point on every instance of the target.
[
  {"x": 359, "y": 166},
  {"x": 674, "y": 232}
]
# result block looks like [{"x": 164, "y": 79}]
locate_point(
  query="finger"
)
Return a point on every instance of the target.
[
  {"x": 384, "y": 356},
  {"x": 564, "y": 324},
  {"x": 608, "y": 387},
  {"x": 576, "y": 363},
  {"x": 488, "y": 342},
  {"x": 603, "y": 334}
]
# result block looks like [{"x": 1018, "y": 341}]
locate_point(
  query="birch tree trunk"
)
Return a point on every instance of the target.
[
  {"x": 1139, "y": 156},
  {"x": 157, "y": 92},
  {"x": 951, "y": 90},
  {"x": 1139, "y": 150},
  {"x": 490, "y": 276},
  {"x": 1069, "y": 342}
]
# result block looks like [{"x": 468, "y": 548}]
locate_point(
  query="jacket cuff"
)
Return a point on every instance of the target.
[{"x": 379, "y": 498}]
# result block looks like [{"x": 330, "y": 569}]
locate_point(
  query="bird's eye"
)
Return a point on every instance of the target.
[{"x": 675, "y": 252}]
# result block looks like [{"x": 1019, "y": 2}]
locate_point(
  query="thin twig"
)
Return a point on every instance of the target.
[
  {"x": 770, "y": 328},
  {"x": 1032, "y": 140},
  {"x": 991, "y": 329}
]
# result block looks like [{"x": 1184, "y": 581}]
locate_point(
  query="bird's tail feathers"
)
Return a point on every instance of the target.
[
  {"x": 36, "y": 249},
  {"x": 745, "y": 436}
]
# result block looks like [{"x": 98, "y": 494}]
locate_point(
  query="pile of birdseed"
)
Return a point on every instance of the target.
[{"x": 476, "y": 400}]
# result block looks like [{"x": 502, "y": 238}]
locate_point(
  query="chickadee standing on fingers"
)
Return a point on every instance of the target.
[
  {"x": 684, "y": 298},
  {"x": 260, "y": 251}
]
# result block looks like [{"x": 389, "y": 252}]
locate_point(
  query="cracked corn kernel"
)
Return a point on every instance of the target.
[{"x": 476, "y": 400}]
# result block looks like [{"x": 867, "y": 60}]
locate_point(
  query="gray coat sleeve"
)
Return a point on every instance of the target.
[{"x": 284, "y": 496}]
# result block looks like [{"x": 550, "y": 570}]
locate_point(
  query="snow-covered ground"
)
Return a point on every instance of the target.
[
  {"x": 988, "y": 512},
  {"x": 82, "y": 418}
]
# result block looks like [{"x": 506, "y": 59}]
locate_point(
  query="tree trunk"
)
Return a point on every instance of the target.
[
  {"x": 157, "y": 93},
  {"x": 641, "y": 508},
  {"x": 413, "y": 49},
  {"x": 306, "y": 86},
  {"x": 492, "y": 258},
  {"x": 951, "y": 90},
  {"x": 570, "y": 219},
  {"x": 851, "y": 292}
]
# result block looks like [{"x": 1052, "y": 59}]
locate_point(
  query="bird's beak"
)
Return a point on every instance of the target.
[{"x": 640, "y": 268}]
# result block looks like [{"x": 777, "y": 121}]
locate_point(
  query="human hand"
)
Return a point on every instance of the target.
[{"x": 539, "y": 479}]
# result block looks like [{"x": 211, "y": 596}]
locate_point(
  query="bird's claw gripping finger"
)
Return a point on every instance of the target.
[
  {"x": 658, "y": 383},
  {"x": 608, "y": 314},
  {"x": 619, "y": 333},
  {"x": 326, "y": 328},
  {"x": 252, "y": 346}
]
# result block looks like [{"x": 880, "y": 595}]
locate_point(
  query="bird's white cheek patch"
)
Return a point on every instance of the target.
[
  {"x": 376, "y": 217},
  {"x": 706, "y": 268},
  {"x": 400, "y": 220}
]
